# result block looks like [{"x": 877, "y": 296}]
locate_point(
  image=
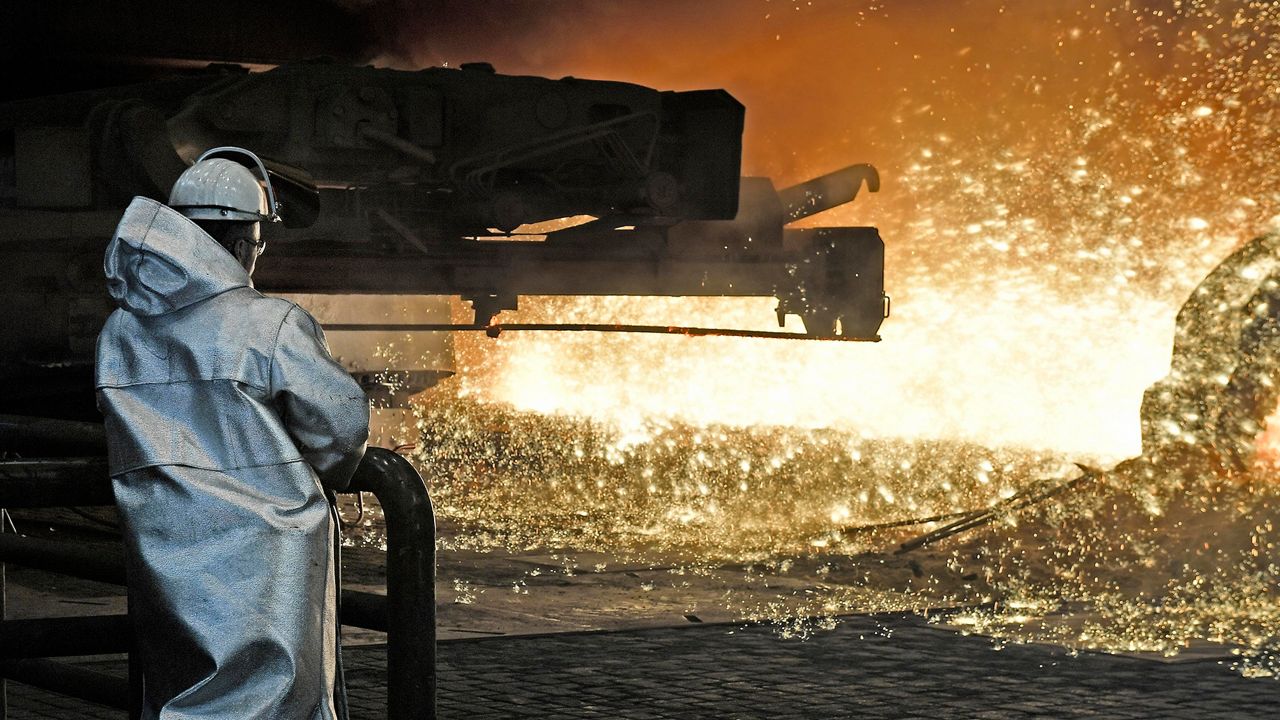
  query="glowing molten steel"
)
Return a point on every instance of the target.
[
  {"x": 1267, "y": 448},
  {"x": 1058, "y": 176},
  {"x": 1050, "y": 200}
]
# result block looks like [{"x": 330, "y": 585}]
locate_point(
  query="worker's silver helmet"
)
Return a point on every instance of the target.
[{"x": 217, "y": 188}]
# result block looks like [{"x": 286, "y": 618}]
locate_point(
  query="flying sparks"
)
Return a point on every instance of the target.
[{"x": 1052, "y": 194}]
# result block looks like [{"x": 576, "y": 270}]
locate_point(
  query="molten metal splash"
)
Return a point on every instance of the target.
[
  {"x": 1057, "y": 178},
  {"x": 1267, "y": 448},
  {"x": 1046, "y": 212},
  {"x": 1000, "y": 373}
]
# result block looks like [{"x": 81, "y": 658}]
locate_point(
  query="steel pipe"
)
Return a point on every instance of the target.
[
  {"x": 51, "y": 637},
  {"x": 106, "y": 564},
  {"x": 411, "y": 581},
  {"x": 4, "y": 688},
  {"x": 48, "y": 437},
  {"x": 364, "y": 610},
  {"x": 71, "y": 680},
  {"x": 55, "y": 482},
  {"x": 88, "y": 562}
]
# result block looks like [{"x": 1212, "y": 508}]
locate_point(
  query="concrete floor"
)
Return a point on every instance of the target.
[
  {"x": 867, "y": 667},
  {"x": 541, "y": 633}
]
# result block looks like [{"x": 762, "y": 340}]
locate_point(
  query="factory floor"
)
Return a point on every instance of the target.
[
  {"x": 551, "y": 634},
  {"x": 890, "y": 666}
]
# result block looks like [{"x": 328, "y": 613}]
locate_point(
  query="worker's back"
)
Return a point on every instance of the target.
[
  {"x": 193, "y": 387},
  {"x": 199, "y": 369},
  {"x": 224, "y": 414}
]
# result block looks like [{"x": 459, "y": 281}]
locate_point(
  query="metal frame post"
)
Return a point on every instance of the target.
[{"x": 4, "y": 684}]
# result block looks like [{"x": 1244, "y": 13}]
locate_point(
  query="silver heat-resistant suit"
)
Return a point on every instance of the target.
[{"x": 227, "y": 418}]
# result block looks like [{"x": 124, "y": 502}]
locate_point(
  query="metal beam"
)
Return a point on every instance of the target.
[
  {"x": 47, "y": 437},
  {"x": 521, "y": 273},
  {"x": 62, "y": 482},
  {"x": 51, "y": 637},
  {"x": 65, "y": 679}
]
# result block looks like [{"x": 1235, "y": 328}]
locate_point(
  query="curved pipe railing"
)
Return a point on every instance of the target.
[
  {"x": 411, "y": 580},
  {"x": 406, "y": 613}
]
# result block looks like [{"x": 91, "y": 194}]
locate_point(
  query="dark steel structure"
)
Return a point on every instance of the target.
[{"x": 440, "y": 182}]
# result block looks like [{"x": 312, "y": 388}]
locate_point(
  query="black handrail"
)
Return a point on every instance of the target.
[
  {"x": 51, "y": 637},
  {"x": 406, "y": 613},
  {"x": 64, "y": 679},
  {"x": 57, "y": 482},
  {"x": 411, "y": 581},
  {"x": 50, "y": 437}
]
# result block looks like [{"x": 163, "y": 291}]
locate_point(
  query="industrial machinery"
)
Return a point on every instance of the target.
[{"x": 443, "y": 181}]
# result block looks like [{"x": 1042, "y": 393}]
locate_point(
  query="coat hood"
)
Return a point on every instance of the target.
[{"x": 159, "y": 261}]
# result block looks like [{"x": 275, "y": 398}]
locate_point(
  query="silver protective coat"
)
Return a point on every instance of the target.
[{"x": 226, "y": 419}]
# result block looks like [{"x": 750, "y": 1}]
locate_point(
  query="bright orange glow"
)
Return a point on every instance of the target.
[
  {"x": 1057, "y": 177},
  {"x": 1267, "y": 447}
]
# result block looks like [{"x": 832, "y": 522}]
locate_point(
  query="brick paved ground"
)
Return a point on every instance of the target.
[{"x": 867, "y": 668}]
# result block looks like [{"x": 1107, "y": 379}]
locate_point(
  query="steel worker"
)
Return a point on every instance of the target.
[{"x": 227, "y": 420}]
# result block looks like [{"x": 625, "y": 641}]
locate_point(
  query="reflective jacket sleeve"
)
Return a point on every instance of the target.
[{"x": 323, "y": 408}]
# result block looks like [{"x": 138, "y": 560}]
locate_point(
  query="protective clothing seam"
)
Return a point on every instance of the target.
[
  {"x": 220, "y": 293},
  {"x": 187, "y": 381},
  {"x": 142, "y": 241},
  {"x": 215, "y": 207},
  {"x": 207, "y": 298},
  {"x": 210, "y": 468},
  {"x": 275, "y": 346}
]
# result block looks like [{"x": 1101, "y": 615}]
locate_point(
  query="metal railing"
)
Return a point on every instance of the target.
[{"x": 406, "y": 613}]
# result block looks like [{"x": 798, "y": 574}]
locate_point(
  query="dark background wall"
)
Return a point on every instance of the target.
[{"x": 53, "y": 47}]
